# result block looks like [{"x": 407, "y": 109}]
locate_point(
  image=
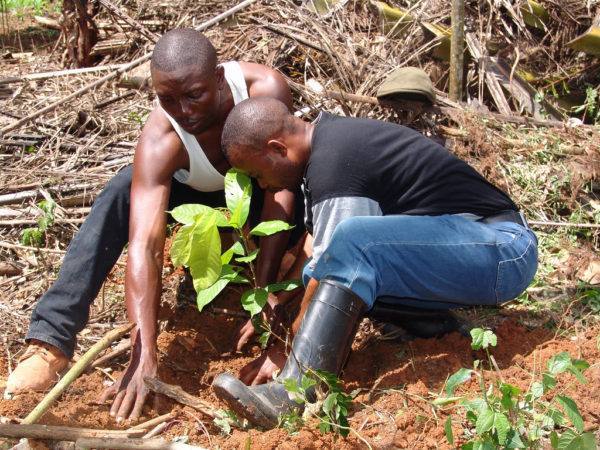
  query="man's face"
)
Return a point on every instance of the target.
[
  {"x": 273, "y": 171},
  {"x": 189, "y": 96}
]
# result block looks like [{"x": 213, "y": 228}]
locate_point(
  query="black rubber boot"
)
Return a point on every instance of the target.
[
  {"x": 323, "y": 342},
  {"x": 418, "y": 322}
]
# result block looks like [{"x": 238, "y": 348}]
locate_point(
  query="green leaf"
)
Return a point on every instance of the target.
[
  {"x": 571, "y": 440},
  {"x": 253, "y": 300},
  {"x": 485, "y": 421},
  {"x": 235, "y": 249},
  {"x": 571, "y": 410},
  {"x": 238, "y": 191},
  {"x": 182, "y": 246},
  {"x": 270, "y": 227},
  {"x": 514, "y": 440},
  {"x": 448, "y": 430},
  {"x": 205, "y": 296},
  {"x": 205, "y": 253},
  {"x": 554, "y": 439},
  {"x": 245, "y": 259},
  {"x": 288, "y": 285},
  {"x": 556, "y": 417},
  {"x": 577, "y": 367},
  {"x": 456, "y": 379},
  {"x": 442, "y": 401},
  {"x": 186, "y": 214},
  {"x": 509, "y": 393},
  {"x": 330, "y": 403},
  {"x": 502, "y": 427},
  {"x": 559, "y": 363},
  {"x": 481, "y": 338},
  {"x": 537, "y": 389},
  {"x": 307, "y": 382},
  {"x": 548, "y": 382}
]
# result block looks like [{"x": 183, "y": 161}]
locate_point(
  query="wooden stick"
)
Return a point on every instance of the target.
[
  {"x": 35, "y": 249},
  {"x": 156, "y": 430},
  {"x": 59, "y": 433},
  {"x": 156, "y": 421},
  {"x": 179, "y": 395},
  {"x": 120, "y": 349},
  {"x": 113, "y": 9},
  {"x": 17, "y": 222},
  {"x": 134, "y": 444},
  {"x": 457, "y": 44},
  {"x": 539, "y": 223},
  {"x": 125, "y": 68},
  {"x": 59, "y": 73},
  {"x": 75, "y": 371}
]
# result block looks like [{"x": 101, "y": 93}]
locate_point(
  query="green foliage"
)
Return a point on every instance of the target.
[
  {"x": 331, "y": 406},
  {"x": 35, "y": 236},
  {"x": 19, "y": 7},
  {"x": 197, "y": 245},
  {"x": 591, "y": 106},
  {"x": 506, "y": 417},
  {"x": 224, "y": 420}
]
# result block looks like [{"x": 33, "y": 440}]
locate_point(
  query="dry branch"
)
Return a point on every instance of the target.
[
  {"x": 75, "y": 371},
  {"x": 179, "y": 395},
  {"x": 156, "y": 421},
  {"x": 120, "y": 349},
  {"x": 59, "y": 433},
  {"x": 128, "y": 20},
  {"x": 134, "y": 444},
  {"x": 457, "y": 44}
]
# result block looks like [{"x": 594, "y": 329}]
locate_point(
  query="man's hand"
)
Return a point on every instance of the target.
[
  {"x": 129, "y": 391},
  {"x": 262, "y": 369},
  {"x": 273, "y": 314}
]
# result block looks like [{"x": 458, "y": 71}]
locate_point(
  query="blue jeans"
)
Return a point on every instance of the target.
[{"x": 430, "y": 261}]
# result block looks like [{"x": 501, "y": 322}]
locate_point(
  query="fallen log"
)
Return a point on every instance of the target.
[{"x": 60, "y": 433}]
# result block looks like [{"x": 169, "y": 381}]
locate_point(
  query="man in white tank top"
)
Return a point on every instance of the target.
[{"x": 178, "y": 160}]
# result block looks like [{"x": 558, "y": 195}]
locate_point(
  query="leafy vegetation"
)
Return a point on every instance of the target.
[
  {"x": 505, "y": 416},
  {"x": 35, "y": 236},
  {"x": 197, "y": 246},
  {"x": 331, "y": 405}
]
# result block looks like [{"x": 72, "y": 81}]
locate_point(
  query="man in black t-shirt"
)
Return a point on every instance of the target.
[{"x": 393, "y": 215}]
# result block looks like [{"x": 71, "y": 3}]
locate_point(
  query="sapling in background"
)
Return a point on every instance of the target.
[
  {"x": 197, "y": 246},
  {"x": 505, "y": 416}
]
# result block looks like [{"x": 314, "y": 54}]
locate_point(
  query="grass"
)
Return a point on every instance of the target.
[{"x": 22, "y": 8}]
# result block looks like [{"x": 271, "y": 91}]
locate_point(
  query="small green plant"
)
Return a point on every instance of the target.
[
  {"x": 331, "y": 405},
  {"x": 34, "y": 236},
  {"x": 506, "y": 417},
  {"x": 197, "y": 246},
  {"x": 591, "y": 106},
  {"x": 224, "y": 420}
]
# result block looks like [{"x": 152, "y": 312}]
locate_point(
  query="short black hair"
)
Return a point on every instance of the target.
[
  {"x": 252, "y": 122},
  {"x": 183, "y": 47}
]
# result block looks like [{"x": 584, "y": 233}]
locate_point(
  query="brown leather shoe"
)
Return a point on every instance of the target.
[{"x": 39, "y": 368}]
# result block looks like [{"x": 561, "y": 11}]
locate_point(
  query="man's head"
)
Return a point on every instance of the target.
[
  {"x": 186, "y": 78},
  {"x": 262, "y": 138}
]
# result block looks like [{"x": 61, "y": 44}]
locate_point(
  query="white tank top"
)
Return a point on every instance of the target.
[{"x": 202, "y": 176}]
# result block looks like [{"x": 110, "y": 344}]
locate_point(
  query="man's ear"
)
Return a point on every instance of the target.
[
  {"x": 277, "y": 146},
  {"x": 220, "y": 76}
]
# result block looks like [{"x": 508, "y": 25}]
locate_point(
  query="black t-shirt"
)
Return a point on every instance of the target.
[{"x": 368, "y": 167}]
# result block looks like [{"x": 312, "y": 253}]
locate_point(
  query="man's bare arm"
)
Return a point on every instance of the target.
[{"x": 158, "y": 155}]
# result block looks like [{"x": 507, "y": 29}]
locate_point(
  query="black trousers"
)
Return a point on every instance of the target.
[{"x": 63, "y": 311}]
